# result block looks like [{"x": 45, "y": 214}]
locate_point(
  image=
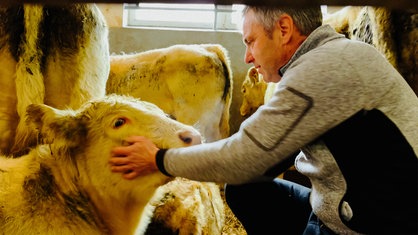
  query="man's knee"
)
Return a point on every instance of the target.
[{"x": 267, "y": 208}]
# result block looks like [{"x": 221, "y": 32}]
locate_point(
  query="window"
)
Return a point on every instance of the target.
[{"x": 191, "y": 16}]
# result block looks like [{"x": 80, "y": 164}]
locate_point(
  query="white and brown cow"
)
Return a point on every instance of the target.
[
  {"x": 56, "y": 55},
  {"x": 65, "y": 186},
  {"x": 192, "y": 83}
]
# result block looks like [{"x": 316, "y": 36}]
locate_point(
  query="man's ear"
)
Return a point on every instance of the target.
[{"x": 286, "y": 27}]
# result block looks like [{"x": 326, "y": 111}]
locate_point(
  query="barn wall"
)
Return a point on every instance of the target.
[{"x": 128, "y": 40}]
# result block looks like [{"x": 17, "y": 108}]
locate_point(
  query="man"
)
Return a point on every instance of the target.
[{"x": 341, "y": 114}]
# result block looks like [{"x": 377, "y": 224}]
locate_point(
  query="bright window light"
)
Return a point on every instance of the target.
[{"x": 193, "y": 16}]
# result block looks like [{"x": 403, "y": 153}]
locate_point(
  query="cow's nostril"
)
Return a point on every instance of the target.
[
  {"x": 190, "y": 137},
  {"x": 186, "y": 139}
]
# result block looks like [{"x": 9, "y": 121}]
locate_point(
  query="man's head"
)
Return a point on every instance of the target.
[{"x": 273, "y": 34}]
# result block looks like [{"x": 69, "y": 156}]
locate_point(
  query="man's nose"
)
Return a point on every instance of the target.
[{"x": 248, "y": 57}]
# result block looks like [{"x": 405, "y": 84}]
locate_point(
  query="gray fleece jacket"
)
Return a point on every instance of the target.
[{"x": 354, "y": 120}]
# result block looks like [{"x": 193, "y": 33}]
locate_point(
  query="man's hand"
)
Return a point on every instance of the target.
[{"x": 137, "y": 158}]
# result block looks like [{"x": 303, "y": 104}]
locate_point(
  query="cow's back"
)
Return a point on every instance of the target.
[{"x": 193, "y": 83}]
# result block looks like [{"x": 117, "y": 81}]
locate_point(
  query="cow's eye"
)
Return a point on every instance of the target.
[{"x": 119, "y": 122}]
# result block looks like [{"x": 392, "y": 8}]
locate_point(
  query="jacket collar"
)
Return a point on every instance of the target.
[{"x": 318, "y": 37}]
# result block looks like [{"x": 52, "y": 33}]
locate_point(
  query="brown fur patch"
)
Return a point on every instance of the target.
[
  {"x": 41, "y": 190},
  {"x": 40, "y": 187}
]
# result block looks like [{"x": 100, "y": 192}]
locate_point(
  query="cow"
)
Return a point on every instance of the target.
[
  {"x": 184, "y": 207},
  {"x": 56, "y": 55},
  {"x": 394, "y": 32},
  {"x": 255, "y": 92},
  {"x": 191, "y": 82},
  {"x": 64, "y": 185}
]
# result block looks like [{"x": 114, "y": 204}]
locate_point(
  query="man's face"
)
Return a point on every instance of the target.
[{"x": 264, "y": 51}]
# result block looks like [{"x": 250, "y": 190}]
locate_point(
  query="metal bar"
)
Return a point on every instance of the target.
[{"x": 398, "y": 4}]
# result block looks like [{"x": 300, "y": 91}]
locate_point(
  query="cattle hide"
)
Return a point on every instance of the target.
[
  {"x": 56, "y": 55},
  {"x": 65, "y": 186},
  {"x": 192, "y": 83}
]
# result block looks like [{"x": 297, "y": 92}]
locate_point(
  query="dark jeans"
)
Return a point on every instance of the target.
[{"x": 274, "y": 207}]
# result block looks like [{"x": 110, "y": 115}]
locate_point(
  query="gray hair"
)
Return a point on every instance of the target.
[{"x": 306, "y": 19}]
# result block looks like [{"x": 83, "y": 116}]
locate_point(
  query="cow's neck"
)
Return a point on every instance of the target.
[
  {"x": 120, "y": 214},
  {"x": 42, "y": 188},
  {"x": 81, "y": 205},
  {"x": 58, "y": 179}
]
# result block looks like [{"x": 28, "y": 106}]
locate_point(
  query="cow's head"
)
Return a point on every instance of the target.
[
  {"x": 91, "y": 131},
  {"x": 81, "y": 141},
  {"x": 253, "y": 88}
]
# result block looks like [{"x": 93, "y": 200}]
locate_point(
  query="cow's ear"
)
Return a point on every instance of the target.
[
  {"x": 253, "y": 74},
  {"x": 56, "y": 126}
]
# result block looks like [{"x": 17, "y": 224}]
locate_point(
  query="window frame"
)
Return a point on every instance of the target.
[{"x": 222, "y": 18}]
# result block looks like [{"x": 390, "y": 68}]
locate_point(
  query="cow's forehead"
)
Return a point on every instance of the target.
[
  {"x": 144, "y": 107},
  {"x": 115, "y": 103}
]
